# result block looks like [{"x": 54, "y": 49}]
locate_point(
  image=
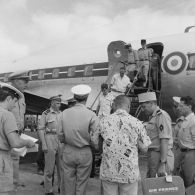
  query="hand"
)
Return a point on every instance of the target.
[
  {"x": 162, "y": 170},
  {"x": 44, "y": 148},
  {"x": 61, "y": 138},
  {"x": 108, "y": 142},
  {"x": 30, "y": 144}
]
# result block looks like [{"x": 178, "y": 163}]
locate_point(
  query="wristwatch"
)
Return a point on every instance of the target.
[{"x": 163, "y": 162}]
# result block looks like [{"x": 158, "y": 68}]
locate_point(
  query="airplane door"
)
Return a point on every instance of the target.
[{"x": 155, "y": 64}]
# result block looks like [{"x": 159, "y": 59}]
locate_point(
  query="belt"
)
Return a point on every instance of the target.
[
  {"x": 153, "y": 149},
  {"x": 143, "y": 60},
  {"x": 51, "y": 132},
  {"x": 186, "y": 149}
]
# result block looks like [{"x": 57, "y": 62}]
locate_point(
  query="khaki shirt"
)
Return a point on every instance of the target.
[
  {"x": 159, "y": 127},
  {"x": 186, "y": 134},
  {"x": 49, "y": 121},
  {"x": 19, "y": 111},
  {"x": 7, "y": 125},
  {"x": 77, "y": 124},
  {"x": 132, "y": 57},
  {"x": 144, "y": 54}
]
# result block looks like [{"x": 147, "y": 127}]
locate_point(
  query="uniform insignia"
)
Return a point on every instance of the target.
[
  {"x": 158, "y": 112},
  {"x": 46, "y": 111},
  {"x": 161, "y": 127}
]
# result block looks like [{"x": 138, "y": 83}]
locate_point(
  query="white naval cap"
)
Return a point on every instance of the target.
[
  {"x": 81, "y": 91},
  {"x": 7, "y": 87},
  {"x": 177, "y": 99},
  {"x": 146, "y": 97},
  {"x": 23, "y": 74}
]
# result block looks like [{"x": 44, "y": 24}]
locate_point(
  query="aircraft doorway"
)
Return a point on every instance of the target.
[{"x": 155, "y": 65}]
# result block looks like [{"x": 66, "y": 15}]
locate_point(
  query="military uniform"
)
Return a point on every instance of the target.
[
  {"x": 144, "y": 55},
  {"x": 19, "y": 112},
  {"x": 49, "y": 122},
  {"x": 158, "y": 127},
  {"x": 77, "y": 123},
  {"x": 7, "y": 125},
  {"x": 132, "y": 64},
  {"x": 186, "y": 139}
]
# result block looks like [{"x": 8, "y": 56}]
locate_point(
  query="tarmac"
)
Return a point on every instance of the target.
[{"x": 31, "y": 179}]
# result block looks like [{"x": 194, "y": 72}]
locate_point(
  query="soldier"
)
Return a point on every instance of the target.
[
  {"x": 48, "y": 133},
  {"x": 155, "y": 69},
  {"x": 77, "y": 124},
  {"x": 120, "y": 83},
  {"x": 9, "y": 96},
  {"x": 132, "y": 62},
  {"x": 186, "y": 139},
  {"x": 144, "y": 55},
  {"x": 105, "y": 102},
  {"x": 20, "y": 81},
  {"x": 159, "y": 129}
]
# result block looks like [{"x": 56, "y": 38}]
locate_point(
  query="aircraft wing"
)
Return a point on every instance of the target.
[{"x": 36, "y": 104}]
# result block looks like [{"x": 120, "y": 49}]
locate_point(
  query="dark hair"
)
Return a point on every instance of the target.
[
  {"x": 188, "y": 101},
  {"x": 5, "y": 92},
  {"x": 104, "y": 86}
]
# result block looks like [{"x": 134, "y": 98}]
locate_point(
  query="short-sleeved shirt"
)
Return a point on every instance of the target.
[
  {"x": 159, "y": 127},
  {"x": 186, "y": 134},
  {"x": 50, "y": 121},
  {"x": 77, "y": 124},
  {"x": 120, "y": 157},
  {"x": 105, "y": 103},
  {"x": 120, "y": 84},
  {"x": 132, "y": 57},
  {"x": 7, "y": 125},
  {"x": 144, "y": 54},
  {"x": 19, "y": 111}
]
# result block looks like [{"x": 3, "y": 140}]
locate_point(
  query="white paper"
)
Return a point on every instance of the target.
[{"x": 22, "y": 151}]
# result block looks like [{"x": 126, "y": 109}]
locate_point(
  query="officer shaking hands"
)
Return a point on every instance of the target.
[{"x": 159, "y": 129}]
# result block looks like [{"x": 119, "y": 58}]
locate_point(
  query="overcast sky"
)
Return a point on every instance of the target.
[{"x": 31, "y": 27}]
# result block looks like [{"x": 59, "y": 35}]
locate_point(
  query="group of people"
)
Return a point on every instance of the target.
[
  {"x": 67, "y": 138},
  {"x": 143, "y": 64}
]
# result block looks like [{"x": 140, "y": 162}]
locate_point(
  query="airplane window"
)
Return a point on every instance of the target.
[
  {"x": 117, "y": 53},
  {"x": 88, "y": 70},
  {"x": 55, "y": 73},
  {"x": 71, "y": 72},
  {"x": 41, "y": 74},
  {"x": 192, "y": 61}
]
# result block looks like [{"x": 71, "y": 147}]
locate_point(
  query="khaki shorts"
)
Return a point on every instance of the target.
[{"x": 6, "y": 172}]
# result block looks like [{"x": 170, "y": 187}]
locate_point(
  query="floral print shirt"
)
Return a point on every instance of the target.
[{"x": 122, "y": 135}]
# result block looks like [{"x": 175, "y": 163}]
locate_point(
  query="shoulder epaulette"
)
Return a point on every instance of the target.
[
  {"x": 158, "y": 112},
  {"x": 46, "y": 111}
]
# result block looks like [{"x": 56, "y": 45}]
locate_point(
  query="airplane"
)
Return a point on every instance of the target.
[{"x": 177, "y": 53}]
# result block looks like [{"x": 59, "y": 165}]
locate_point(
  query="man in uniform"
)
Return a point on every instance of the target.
[
  {"x": 155, "y": 69},
  {"x": 186, "y": 139},
  {"x": 77, "y": 124},
  {"x": 9, "y": 96},
  {"x": 20, "y": 81},
  {"x": 144, "y": 55},
  {"x": 105, "y": 102},
  {"x": 120, "y": 83},
  {"x": 49, "y": 127},
  {"x": 160, "y": 155},
  {"x": 132, "y": 62}
]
